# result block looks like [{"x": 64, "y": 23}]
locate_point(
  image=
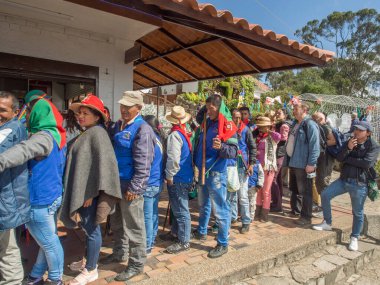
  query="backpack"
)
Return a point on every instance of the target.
[{"x": 340, "y": 140}]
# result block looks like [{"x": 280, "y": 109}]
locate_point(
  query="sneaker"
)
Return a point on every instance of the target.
[
  {"x": 85, "y": 277},
  {"x": 51, "y": 282},
  {"x": 218, "y": 251},
  {"x": 167, "y": 237},
  {"x": 322, "y": 227},
  {"x": 291, "y": 214},
  {"x": 353, "y": 246},
  {"x": 234, "y": 221},
  {"x": 315, "y": 208},
  {"x": 148, "y": 251},
  {"x": 129, "y": 273},
  {"x": 317, "y": 214},
  {"x": 215, "y": 228},
  {"x": 77, "y": 266},
  {"x": 112, "y": 258},
  {"x": 303, "y": 222},
  {"x": 196, "y": 235},
  {"x": 244, "y": 229},
  {"x": 33, "y": 280},
  {"x": 178, "y": 247}
]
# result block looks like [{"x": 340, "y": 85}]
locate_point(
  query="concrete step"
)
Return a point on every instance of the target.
[
  {"x": 333, "y": 265},
  {"x": 257, "y": 259}
]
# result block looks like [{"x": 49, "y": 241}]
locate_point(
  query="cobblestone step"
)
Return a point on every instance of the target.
[
  {"x": 256, "y": 259},
  {"x": 334, "y": 264}
]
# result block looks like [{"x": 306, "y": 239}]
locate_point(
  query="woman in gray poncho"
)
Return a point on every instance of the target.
[{"x": 92, "y": 184}]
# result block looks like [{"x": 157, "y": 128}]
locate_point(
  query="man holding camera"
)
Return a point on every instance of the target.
[{"x": 302, "y": 151}]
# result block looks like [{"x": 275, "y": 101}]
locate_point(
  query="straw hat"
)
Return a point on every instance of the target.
[
  {"x": 178, "y": 115},
  {"x": 93, "y": 102},
  {"x": 263, "y": 122}
]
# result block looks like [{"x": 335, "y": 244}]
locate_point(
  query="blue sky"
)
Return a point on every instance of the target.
[{"x": 286, "y": 16}]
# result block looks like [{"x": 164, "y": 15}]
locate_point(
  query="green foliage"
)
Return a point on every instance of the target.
[
  {"x": 355, "y": 36},
  {"x": 194, "y": 98},
  {"x": 310, "y": 80},
  {"x": 377, "y": 167},
  {"x": 230, "y": 88}
]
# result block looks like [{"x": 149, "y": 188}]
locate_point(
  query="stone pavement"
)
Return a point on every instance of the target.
[
  {"x": 160, "y": 262},
  {"x": 334, "y": 264}
]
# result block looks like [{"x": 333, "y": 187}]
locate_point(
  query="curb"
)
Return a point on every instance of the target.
[{"x": 247, "y": 262}]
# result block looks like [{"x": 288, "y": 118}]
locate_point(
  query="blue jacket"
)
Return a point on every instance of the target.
[
  {"x": 254, "y": 178},
  {"x": 186, "y": 172},
  {"x": 45, "y": 177},
  {"x": 156, "y": 171},
  {"x": 14, "y": 195},
  {"x": 306, "y": 145},
  {"x": 134, "y": 149},
  {"x": 243, "y": 148},
  {"x": 216, "y": 160}
]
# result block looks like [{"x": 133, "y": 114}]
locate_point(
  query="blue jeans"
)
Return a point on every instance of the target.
[
  {"x": 43, "y": 228},
  {"x": 151, "y": 199},
  {"x": 242, "y": 196},
  {"x": 214, "y": 195},
  {"x": 179, "y": 203},
  {"x": 93, "y": 234},
  {"x": 358, "y": 194}
]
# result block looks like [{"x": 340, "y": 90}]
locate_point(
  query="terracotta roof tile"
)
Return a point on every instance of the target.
[{"x": 227, "y": 16}]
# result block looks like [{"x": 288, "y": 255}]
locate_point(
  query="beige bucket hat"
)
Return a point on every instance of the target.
[{"x": 131, "y": 98}]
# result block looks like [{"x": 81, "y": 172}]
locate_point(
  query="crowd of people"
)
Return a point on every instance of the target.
[{"x": 86, "y": 170}]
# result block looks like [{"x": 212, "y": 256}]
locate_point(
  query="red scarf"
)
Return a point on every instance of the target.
[
  {"x": 246, "y": 121},
  {"x": 182, "y": 129},
  {"x": 241, "y": 128},
  {"x": 260, "y": 137}
]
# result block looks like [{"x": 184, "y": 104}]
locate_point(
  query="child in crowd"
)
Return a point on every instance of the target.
[{"x": 255, "y": 183}]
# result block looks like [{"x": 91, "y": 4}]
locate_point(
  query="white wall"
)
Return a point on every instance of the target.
[{"x": 30, "y": 37}]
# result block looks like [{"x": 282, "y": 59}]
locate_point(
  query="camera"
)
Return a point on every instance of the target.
[{"x": 311, "y": 175}]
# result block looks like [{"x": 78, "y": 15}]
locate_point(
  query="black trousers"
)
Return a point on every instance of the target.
[{"x": 301, "y": 200}]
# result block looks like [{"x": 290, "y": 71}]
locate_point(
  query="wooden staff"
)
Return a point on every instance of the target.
[{"x": 203, "y": 172}]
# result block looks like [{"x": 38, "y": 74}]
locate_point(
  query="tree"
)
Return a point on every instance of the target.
[
  {"x": 230, "y": 88},
  {"x": 308, "y": 80},
  {"x": 356, "y": 37}
]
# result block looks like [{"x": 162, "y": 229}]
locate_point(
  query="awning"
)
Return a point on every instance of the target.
[{"x": 198, "y": 42}]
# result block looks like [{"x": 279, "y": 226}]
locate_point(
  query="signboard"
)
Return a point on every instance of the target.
[
  {"x": 169, "y": 90},
  {"x": 190, "y": 87}
]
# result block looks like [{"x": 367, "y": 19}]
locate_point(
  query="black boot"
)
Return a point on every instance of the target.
[
  {"x": 258, "y": 213},
  {"x": 264, "y": 215}
]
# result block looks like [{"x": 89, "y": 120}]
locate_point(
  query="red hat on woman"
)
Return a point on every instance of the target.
[{"x": 93, "y": 102}]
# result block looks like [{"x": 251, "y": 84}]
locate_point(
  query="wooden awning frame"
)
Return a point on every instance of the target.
[{"x": 212, "y": 30}]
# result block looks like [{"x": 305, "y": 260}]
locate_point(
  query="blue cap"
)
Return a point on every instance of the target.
[{"x": 364, "y": 126}]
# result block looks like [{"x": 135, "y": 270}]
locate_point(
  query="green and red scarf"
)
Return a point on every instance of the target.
[
  {"x": 44, "y": 116},
  {"x": 226, "y": 127}
]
